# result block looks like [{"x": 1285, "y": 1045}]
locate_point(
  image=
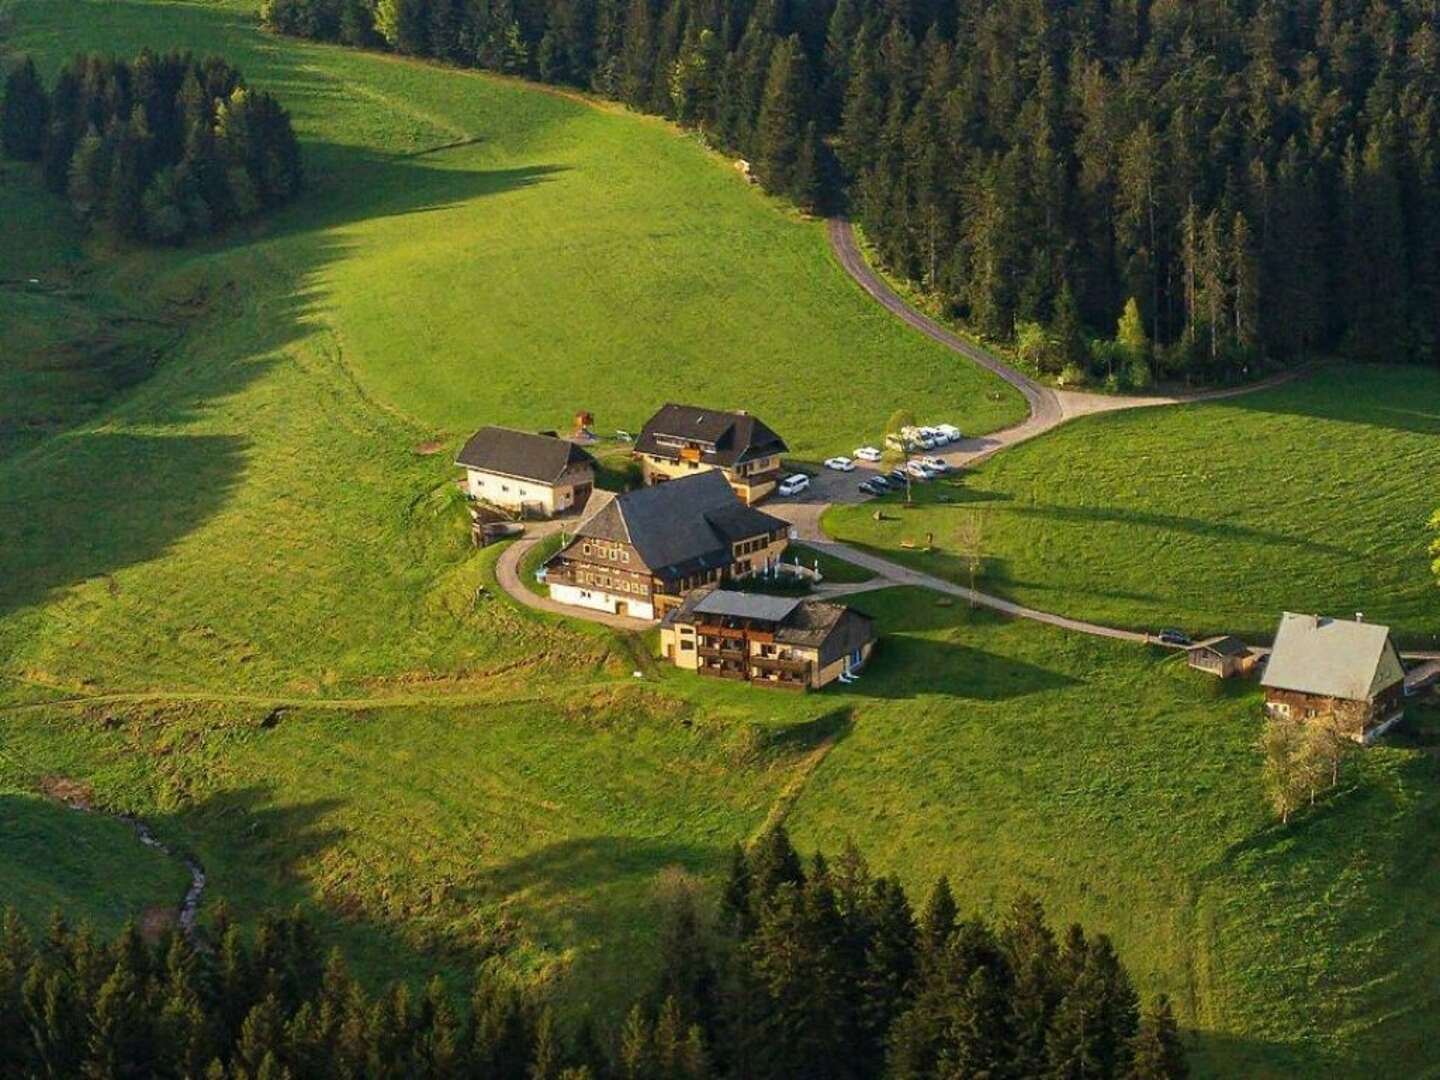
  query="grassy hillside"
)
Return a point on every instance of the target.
[
  {"x": 1310, "y": 497},
  {"x": 542, "y": 822},
  {"x": 481, "y": 252},
  {"x": 235, "y": 599}
]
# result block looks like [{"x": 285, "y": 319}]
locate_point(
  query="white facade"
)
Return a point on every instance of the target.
[
  {"x": 532, "y": 496},
  {"x": 599, "y": 600}
]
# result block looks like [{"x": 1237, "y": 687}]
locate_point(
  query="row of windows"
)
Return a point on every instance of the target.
[
  {"x": 479, "y": 483},
  {"x": 748, "y": 546},
  {"x": 613, "y": 584},
  {"x": 603, "y": 551}
]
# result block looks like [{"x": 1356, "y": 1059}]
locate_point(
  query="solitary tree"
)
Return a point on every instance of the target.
[
  {"x": 1286, "y": 780},
  {"x": 970, "y": 544},
  {"x": 896, "y": 453}
]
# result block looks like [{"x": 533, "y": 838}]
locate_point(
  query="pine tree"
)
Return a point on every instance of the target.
[
  {"x": 1069, "y": 334},
  {"x": 24, "y": 113},
  {"x": 1156, "y": 1052},
  {"x": 937, "y": 923},
  {"x": 782, "y": 160}
]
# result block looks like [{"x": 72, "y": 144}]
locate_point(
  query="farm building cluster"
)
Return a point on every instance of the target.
[{"x": 670, "y": 549}]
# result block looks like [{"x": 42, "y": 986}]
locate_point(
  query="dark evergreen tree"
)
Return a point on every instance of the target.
[{"x": 24, "y": 113}]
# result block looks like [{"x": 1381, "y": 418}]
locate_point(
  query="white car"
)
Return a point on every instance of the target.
[
  {"x": 794, "y": 485},
  {"x": 840, "y": 464},
  {"x": 935, "y": 464},
  {"x": 950, "y": 431},
  {"x": 868, "y": 453},
  {"x": 935, "y": 435},
  {"x": 917, "y": 470}
]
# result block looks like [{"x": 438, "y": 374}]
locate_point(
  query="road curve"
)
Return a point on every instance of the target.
[{"x": 1045, "y": 410}]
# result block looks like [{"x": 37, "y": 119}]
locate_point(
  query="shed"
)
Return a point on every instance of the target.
[{"x": 1222, "y": 656}]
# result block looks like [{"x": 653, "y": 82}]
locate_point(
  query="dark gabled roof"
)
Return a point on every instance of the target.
[
  {"x": 682, "y": 526},
  {"x": 1230, "y": 645},
  {"x": 725, "y": 438},
  {"x": 542, "y": 458}
]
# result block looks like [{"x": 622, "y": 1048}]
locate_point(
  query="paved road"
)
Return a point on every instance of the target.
[{"x": 1048, "y": 409}]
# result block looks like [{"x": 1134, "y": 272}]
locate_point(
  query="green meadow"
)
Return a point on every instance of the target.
[
  {"x": 1311, "y": 496},
  {"x": 238, "y": 598}
]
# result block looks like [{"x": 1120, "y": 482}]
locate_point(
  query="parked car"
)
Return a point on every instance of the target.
[
  {"x": 896, "y": 477},
  {"x": 935, "y": 464},
  {"x": 794, "y": 485},
  {"x": 867, "y": 453},
  {"x": 840, "y": 464},
  {"x": 623, "y": 435},
  {"x": 950, "y": 431},
  {"x": 1171, "y": 636},
  {"x": 935, "y": 435},
  {"x": 872, "y": 487},
  {"x": 918, "y": 471},
  {"x": 882, "y": 481}
]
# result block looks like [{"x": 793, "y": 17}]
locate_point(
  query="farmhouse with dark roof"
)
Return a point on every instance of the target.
[
  {"x": 767, "y": 640},
  {"x": 642, "y": 551},
  {"x": 682, "y": 440},
  {"x": 536, "y": 475}
]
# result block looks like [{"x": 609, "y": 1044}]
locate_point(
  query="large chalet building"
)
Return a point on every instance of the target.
[
  {"x": 1350, "y": 671},
  {"x": 641, "y": 552},
  {"x": 771, "y": 641},
  {"x": 683, "y": 440}
]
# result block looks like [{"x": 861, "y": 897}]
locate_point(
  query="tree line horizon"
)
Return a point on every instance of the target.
[
  {"x": 797, "y": 971},
  {"x": 1262, "y": 179}
]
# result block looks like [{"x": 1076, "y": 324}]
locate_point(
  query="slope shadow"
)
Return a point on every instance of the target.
[
  {"x": 1324, "y": 396},
  {"x": 97, "y": 499}
]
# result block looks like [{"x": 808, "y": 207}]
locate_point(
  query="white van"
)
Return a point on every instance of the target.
[{"x": 794, "y": 485}]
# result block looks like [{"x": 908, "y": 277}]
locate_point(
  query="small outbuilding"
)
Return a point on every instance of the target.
[
  {"x": 1349, "y": 671},
  {"x": 1221, "y": 656},
  {"x": 529, "y": 474}
]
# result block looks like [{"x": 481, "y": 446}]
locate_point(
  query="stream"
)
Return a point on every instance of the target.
[{"x": 189, "y": 909}]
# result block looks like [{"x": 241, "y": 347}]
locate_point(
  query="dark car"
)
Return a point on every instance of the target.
[
  {"x": 896, "y": 477},
  {"x": 881, "y": 482},
  {"x": 870, "y": 487},
  {"x": 1172, "y": 636}
]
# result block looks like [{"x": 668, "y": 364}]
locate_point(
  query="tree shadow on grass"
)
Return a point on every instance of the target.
[
  {"x": 1392, "y": 396},
  {"x": 1219, "y": 531},
  {"x": 903, "y": 666}
]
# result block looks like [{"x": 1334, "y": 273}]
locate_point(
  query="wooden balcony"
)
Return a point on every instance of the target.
[
  {"x": 736, "y": 673},
  {"x": 785, "y": 682},
  {"x": 723, "y": 652},
  {"x": 781, "y": 664}
]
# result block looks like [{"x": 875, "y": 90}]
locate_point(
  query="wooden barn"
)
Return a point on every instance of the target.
[{"x": 1221, "y": 656}]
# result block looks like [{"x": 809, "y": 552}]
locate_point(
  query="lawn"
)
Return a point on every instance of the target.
[
  {"x": 293, "y": 663},
  {"x": 1311, "y": 496},
  {"x": 542, "y": 825}
]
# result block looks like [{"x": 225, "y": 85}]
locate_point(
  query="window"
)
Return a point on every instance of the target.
[
  {"x": 504, "y": 487},
  {"x": 687, "y": 646},
  {"x": 585, "y": 548},
  {"x": 624, "y": 556}
]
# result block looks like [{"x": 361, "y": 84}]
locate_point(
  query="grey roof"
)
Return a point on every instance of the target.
[
  {"x": 1335, "y": 658},
  {"x": 833, "y": 629},
  {"x": 680, "y": 527},
  {"x": 1229, "y": 645},
  {"x": 542, "y": 458},
  {"x": 725, "y": 438},
  {"x": 746, "y": 605}
]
